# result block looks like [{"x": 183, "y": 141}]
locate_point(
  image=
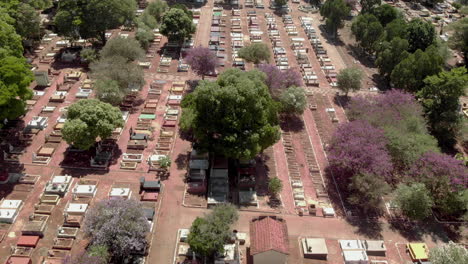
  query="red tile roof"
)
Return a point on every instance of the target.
[
  {"x": 28, "y": 241},
  {"x": 18, "y": 260},
  {"x": 268, "y": 233}
]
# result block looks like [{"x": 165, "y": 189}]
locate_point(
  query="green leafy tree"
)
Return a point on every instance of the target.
[
  {"x": 414, "y": 200},
  {"x": 156, "y": 9},
  {"x": 101, "y": 251},
  {"x": 397, "y": 28},
  {"x": 89, "y": 55},
  {"x": 459, "y": 38},
  {"x": 256, "y": 53},
  {"x": 145, "y": 36},
  {"x": 92, "y": 18},
  {"x": 367, "y": 191},
  {"x": 367, "y": 30},
  {"x": 234, "y": 116},
  {"x": 27, "y": 22},
  {"x": 450, "y": 253},
  {"x": 410, "y": 73},
  {"x": 420, "y": 34},
  {"x": 89, "y": 119},
  {"x": 386, "y": 13},
  {"x": 335, "y": 11},
  {"x": 349, "y": 79},
  {"x": 176, "y": 25},
  {"x": 209, "y": 234},
  {"x": 280, "y": 3},
  {"x": 390, "y": 54},
  {"x": 15, "y": 77},
  {"x": 108, "y": 91},
  {"x": 147, "y": 20},
  {"x": 369, "y": 5},
  {"x": 441, "y": 100},
  {"x": 275, "y": 185},
  {"x": 128, "y": 75},
  {"x": 293, "y": 100},
  {"x": 128, "y": 48},
  {"x": 10, "y": 42},
  {"x": 164, "y": 162},
  {"x": 39, "y": 4}
]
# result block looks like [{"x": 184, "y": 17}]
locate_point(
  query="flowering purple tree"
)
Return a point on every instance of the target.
[
  {"x": 446, "y": 178},
  {"x": 358, "y": 147},
  {"x": 118, "y": 224},
  {"x": 432, "y": 167},
  {"x": 202, "y": 60},
  {"x": 277, "y": 80},
  {"x": 387, "y": 109}
]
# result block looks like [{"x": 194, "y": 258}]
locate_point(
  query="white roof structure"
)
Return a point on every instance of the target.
[
  {"x": 347, "y": 245},
  {"x": 8, "y": 215},
  {"x": 85, "y": 190},
  {"x": 75, "y": 208},
  {"x": 62, "y": 179},
  {"x": 314, "y": 246},
  {"x": 120, "y": 192},
  {"x": 11, "y": 204},
  {"x": 356, "y": 256}
]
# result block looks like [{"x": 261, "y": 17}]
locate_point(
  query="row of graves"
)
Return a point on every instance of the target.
[
  {"x": 279, "y": 51},
  {"x": 321, "y": 53},
  {"x": 217, "y": 42},
  {"x": 210, "y": 176},
  {"x": 66, "y": 199},
  {"x": 50, "y": 118},
  {"x": 152, "y": 50},
  {"x": 300, "y": 52},
  {"x": 237, "y": 39}
]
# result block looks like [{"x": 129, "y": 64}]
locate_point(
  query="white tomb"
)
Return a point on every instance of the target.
[
  {"x": 11, "y": 204},
  {"x": 62, "y": 179},
  {"x": 76, "y": 208},
  {"x": 85, "y": 190},
  {"x": 120, "y": 193},
  {"x": 8, "y": 215}
]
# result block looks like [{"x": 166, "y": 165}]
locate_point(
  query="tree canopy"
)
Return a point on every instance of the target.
[
  {"x": 410, "y": 73},
  {"x": 440, "y": 97},
  {"x": 349, "y": 79},
  {"x": 367, "y": 191},
  {"x": 293, "y": 100},
  {"x": 357, "y": 147},
  {"x": 368, "y": 6},
  {"x": 278, "y": 80},
  {"x": 367, "y": 30},
  {"x": 275, "y": 185},
  {"x": 390, "y": 54},
  {"x": 420, "y": 34},
  {"x": 202, "y": 60},
  {"x": 15, "y": 78},
  {"x": 89, "y": 119},
  {"x": 335, "y": 11},
  {"x": 119, "y": 224},
  {"x": 256, "y": 53},
  {"x": 156, "y": 9},
  {"x": 108, "y": 91},
  {"x": 128, "y": 48},
  {"x": 450, "y": 253},
  {"x": 459, "y": 37},
  {"x": 386, "y": 13},
  {"x": 92, "y": 18},
  {"x": 209, "y": 234},
  {"x": 127, "y": 74},
  {"x": 176, "y": 25},
  {"x": 233, "y": 116},
  {"x": 414, "y": 200}
]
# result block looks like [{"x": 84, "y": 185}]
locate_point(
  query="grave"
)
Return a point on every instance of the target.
[
  {"x": 76, "y": 209},
  {"x": 85, "y": 190},
  {"x": 67, "y": 232},
  {"x": 124, "y": 193}
]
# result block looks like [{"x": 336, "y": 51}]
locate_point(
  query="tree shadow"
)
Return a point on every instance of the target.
[
  {"x": 358, "y": 54},
  {"x": 342, "y": 100},
  {"x": 366, "y": 227},
  {"x": 291, "y": 123},
  {"x": 336, "y": 41},
  {"x": 414, "y": 231},
  {"x": 182, "y": 160}
]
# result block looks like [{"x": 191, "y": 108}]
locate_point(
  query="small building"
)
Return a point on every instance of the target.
[{"x": 269, "y": 242}]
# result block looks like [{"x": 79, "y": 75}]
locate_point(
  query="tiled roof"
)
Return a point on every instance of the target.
[{"x": 268, "y": 233}]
